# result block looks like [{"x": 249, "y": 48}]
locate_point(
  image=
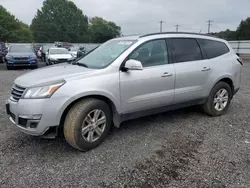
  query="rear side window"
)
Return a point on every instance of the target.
[
  {"x": 213, "y": 48},
  {"x": 185, "y": 49}
]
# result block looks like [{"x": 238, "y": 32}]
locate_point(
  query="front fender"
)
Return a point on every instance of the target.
[{"x": 115, "y": 101}]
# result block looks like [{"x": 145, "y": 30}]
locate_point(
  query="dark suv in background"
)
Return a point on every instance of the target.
[{"x": 3, "y": 51}]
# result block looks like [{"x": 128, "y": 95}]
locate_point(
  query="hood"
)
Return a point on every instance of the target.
[
  {"x": 51, "y": 74},
  {"x": 23, "y": 54},
  {"x": 60, "y": 56},
  {"x": 73, "y": 52}
]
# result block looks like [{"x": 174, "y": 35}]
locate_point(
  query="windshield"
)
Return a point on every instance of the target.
[
  {"x": 59, "y": 51},
  {"x": 74, "y": 49},
  {"x": 106, "y": 53},
  {"x": 20, "y": 48}
]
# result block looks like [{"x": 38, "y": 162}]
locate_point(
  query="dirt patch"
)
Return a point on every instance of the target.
[{"x": 166, "y": 165}]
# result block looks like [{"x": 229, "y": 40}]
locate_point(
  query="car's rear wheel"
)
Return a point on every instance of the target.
[
  {"x": 87, "y": 124},
  {"x": 219, "y": 99}
]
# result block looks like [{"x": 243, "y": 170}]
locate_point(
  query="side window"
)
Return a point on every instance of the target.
[
  {"x": 151, "y": 53},
  {"x": 185, "y": 49},
  {"x": 213, "y": 48}
]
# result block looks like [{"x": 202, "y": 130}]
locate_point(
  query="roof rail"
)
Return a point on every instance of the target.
[{"x": 162, "y": 33}]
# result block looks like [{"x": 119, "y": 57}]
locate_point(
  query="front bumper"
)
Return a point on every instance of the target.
[
  {"x": 34, "y": 116},
  {"x": 17, "y": 63}
]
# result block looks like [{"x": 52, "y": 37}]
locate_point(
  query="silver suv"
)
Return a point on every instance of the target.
[{"x": 122, "y": 79}]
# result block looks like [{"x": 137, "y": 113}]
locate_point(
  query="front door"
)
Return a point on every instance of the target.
[{"x": 151, "y": 87}]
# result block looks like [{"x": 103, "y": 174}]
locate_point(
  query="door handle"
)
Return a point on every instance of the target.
[
  {"x": 205, "y": 69},
  {"x": 166, "y": 74}
]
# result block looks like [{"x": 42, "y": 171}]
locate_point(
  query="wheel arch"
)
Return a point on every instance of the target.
[
  {"x": 226, "y": 78},
  {"x": 229, "y": 81},
  {"x": 104, "y": 98}
]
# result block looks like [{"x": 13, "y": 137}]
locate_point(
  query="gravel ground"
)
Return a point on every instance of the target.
[{"x": 183, "y": 148}]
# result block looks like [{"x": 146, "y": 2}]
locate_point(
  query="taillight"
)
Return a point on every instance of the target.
[{"x": 240, "y": 60}]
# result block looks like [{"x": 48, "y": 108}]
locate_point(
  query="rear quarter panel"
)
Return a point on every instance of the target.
[{"x": 225, "y": 66}]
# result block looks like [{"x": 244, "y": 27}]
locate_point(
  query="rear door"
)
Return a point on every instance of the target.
[{"x": 190, "y": 67}]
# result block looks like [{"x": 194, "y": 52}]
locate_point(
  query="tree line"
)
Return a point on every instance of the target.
[
  {"x": 62, "y": 20},
  {"x": 242, "y": 32},
  {"x": 57, "y": 20}
]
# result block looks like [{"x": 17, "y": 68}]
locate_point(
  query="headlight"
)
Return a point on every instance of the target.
[
  {"x": 9, "y": 56},
  {"x": 43, "y": 91}
]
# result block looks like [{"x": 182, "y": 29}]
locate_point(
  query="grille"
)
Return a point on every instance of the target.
[
  {"x": 62, "y": 60},
  {"x": 17, "y": 92},
  {"x": 21, "y": 58},
  {"x": 22, "y": 122}
]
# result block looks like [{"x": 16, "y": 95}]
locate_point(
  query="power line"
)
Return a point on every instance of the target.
[
  {"x": 209, "y": 25},
  {"x": 177, "y": 27},
  {"x": 161, "y": 22}
]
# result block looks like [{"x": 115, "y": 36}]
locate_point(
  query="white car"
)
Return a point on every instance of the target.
[{"x": 58, "y": 55}]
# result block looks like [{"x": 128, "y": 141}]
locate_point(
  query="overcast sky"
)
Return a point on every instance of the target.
[{"x": 143, "y": 16}]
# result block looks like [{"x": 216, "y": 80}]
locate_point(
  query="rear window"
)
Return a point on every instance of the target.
[
  {"x": 213, "y": 48},
  {"x": 185, "y": 49}
]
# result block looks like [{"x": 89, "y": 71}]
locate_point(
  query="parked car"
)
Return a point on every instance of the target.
[
  {"x": 3, "y": 51},
  {"x": 58, "y": 55},
  {"x": 21, "y": 55},
  {"x": 122, "y": 79}
]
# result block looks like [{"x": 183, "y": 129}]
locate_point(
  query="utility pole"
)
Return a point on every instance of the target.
[
  {"x": 177, "y": 27},
  {"x": 209, "y": 26},
  {"x": 161, "y": 22}
]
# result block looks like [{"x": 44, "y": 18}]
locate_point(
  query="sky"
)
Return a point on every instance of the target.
[{"x": 144, "y": 16}]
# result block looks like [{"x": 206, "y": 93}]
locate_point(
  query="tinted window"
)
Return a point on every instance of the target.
[
  {"x": 185, "y": 49},
  {"x": 151, "y": 53},
  {"x": 213, "y": 48}
]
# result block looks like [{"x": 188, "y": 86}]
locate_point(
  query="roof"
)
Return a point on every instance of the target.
[
  {"x": 137, "y": 37},
  {"x": 55, "y": 48},
  {"x": 176, "y": 33}
]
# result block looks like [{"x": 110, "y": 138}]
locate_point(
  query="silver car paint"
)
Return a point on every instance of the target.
[{"x": 129, "y": 91}]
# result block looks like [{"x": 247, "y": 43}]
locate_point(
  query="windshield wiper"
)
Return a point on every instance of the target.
[{"x": 80, "y": 64}]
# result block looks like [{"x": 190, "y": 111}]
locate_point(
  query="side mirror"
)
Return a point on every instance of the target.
[{"x": 132, "y": 64}]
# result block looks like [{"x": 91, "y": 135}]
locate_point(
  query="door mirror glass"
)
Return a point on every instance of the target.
[{"x": 132, "y": 64}]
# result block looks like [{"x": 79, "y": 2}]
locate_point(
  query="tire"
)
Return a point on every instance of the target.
[
  {"x": 76, "y": 116},
  {"x": 49, "y": 62},
  {"x": 34, "y": 67},
  {"x": 9, "y": 67},
  {"x": 210, "y": 107}
]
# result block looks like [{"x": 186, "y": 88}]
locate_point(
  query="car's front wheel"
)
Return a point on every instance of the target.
[
  {"x": 218, "y": 100},
  {"x": 87, "y": 124},
  {"x": 9, "y": 67}
]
